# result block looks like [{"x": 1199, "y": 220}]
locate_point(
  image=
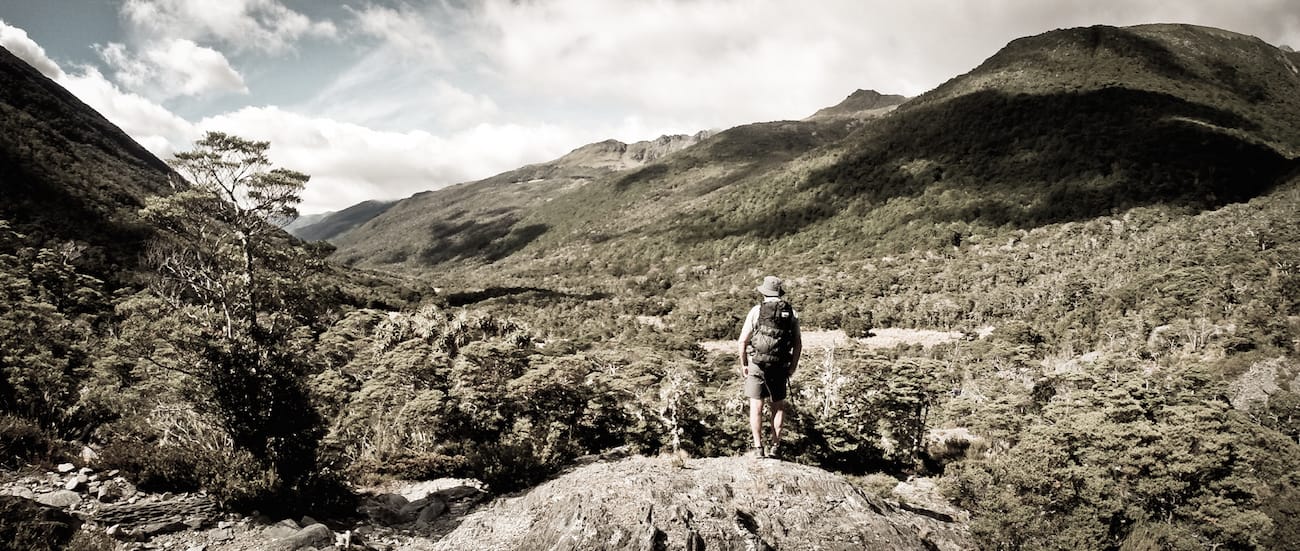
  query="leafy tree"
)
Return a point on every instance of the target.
[
  {"x": 1121, "y": 461},
  {"x": 232, "y": 281},
  {"x": 224, "y": 224}
]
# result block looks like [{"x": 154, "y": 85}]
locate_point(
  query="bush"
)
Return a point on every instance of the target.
[
  {"x": 91, "y": 540},
  {"x": 27, "y": 525},
  {"x": 22, "y": 441},
  {"x": 938, "y": 455},
  {"x": 878, "y": 484},
  {"x": 155, "y": 468}
]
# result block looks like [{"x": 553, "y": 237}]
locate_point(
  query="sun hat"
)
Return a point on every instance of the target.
[{"x": 771, "y": 287}]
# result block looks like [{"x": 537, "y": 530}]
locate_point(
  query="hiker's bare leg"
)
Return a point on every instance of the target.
[
  {"x": 778, "y": 418},
  {"x": 756, "y": 421}
]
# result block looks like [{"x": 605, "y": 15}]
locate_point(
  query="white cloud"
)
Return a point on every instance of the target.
[
  {"x": 260, "y": 25},
  {"x": 152, "y": 125},
  {"x": 171, "y": 68},
  {"x": 726, "y": 62},
  {"x": 405, "y": 30},
  {"x": 16, "y": 41},
  {"x": 349, "y": 163},
  {"x": 457, "y": 108},
  {"x": 155, "y": 127},
  {"x": 717, "y": 62}
]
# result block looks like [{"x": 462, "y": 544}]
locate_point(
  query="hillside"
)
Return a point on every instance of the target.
[
  {"x": 1065, "y": 126},
  {"x": 67, "y": 173},
  {"x": 480, "y": 219},
  {"x": 335, "y": 224},
  {"x": 1107, "y": 215}
]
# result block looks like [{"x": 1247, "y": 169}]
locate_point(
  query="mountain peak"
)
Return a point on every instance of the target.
[{"x": 860, "y": 104}]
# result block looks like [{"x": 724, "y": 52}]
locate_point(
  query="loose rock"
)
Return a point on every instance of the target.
[
  {"x": 64, "y": 499},
  {"x": 316, "y": 535}
]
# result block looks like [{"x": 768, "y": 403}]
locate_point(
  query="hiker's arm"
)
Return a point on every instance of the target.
[
  {"x": 744, "y": 352},
  {"x": 746, "y": 332}
]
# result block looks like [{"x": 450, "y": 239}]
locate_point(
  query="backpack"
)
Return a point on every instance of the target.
[{"x": 773, "y": 340}]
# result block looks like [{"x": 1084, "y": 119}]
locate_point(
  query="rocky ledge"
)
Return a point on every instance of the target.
[
  {"x": 715, "y": 503},
  {"x": 609, "y": 502}
]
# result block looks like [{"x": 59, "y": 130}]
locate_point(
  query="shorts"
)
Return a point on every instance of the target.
[{"x": 759, "y": 386}]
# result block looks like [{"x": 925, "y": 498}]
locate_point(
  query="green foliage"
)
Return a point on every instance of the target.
[
  {"x": 27, "y": 525},
  {"x": 227, "y": 326},
  {"x": 157, "y": 468},
  {"x": 1282, "y": 413},
  {"x": 447, "y": 393},
  {"x": 257, "y": 392},
  {"x": 22, "y": 442},
  {"x": 48, "y": 309},
  {"x": 865, "y": 411},
  {"x": 1131, "y": 464}
]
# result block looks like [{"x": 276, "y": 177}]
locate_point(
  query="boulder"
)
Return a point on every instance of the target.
[
  {"x": 149, "y": 530},
  {"x": 712, "y": 503},
  {"x": 64, "y": 499},
  {"x": 66, "y": 467},
  {"x": 282, "y": 529},
  {"x": 430, "y": 512},
  {"x": 316, "y": 535}
]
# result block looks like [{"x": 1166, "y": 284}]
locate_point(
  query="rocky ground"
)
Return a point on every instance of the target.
[
  {"x": 71, "y": 498},
  {"x": 713, "y": 503},
  {"x": 608, "y": 503}
]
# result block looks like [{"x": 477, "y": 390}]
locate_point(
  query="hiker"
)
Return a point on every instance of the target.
[{"x": 770, "y": 344}]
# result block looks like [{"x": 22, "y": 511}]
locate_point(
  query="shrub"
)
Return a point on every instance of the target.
[
  {"x": 938, "y": 455},
  {"x": 27, "y": 525},
  {"x": 878, "y": 484},
  {"x": 91, "y": 540},
  {"x": 155, "y": 468},
  {"x": 22, "y": 441}
]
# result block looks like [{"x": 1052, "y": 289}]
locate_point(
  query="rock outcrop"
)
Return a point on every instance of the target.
[
  {"x": 715, "y": 503},
  {"x": 616, "y": 155}
]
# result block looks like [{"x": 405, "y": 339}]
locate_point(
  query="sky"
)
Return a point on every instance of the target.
[{"x": 381, "y": 99}]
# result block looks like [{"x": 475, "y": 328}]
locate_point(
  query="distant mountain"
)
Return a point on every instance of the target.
[
  {"x": 1064, "y": 126},
  {"x": 334, "y": 224},
  {"x": 66, "y": 172},
  {"x": 479, "y": 219},
  {"x": 305, "y": 220}
]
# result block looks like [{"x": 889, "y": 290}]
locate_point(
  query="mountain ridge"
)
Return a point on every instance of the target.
[
  {"x": 69, "y": 174},
  {"x": 489, "y": 227},
  {"x": 1061, "y": 126}
]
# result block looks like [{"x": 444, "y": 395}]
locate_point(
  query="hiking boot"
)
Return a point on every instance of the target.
[
  {"x": 756, "y": 451},
  {"x": 775, "y": 451}
]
